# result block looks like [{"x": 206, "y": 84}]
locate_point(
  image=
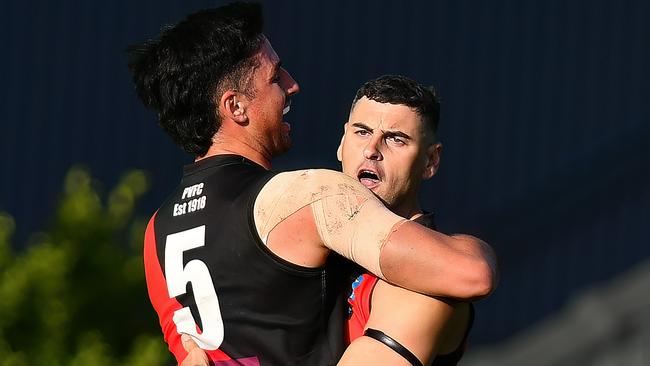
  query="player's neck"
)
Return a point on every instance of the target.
[
  {"x": 409, "y": 209},
  {"x": 224, "y": 144}
]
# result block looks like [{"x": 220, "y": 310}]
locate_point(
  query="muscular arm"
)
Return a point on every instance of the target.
[
  {"x": 330, "y": 210},
  {"x": 458, "y": 266},
  {"x": 426, "y": 326}
]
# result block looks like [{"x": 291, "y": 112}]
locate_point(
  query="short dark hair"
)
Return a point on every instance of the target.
[
  {"x": 398, "y": 89},
  {"x": 180, "y": 74}
]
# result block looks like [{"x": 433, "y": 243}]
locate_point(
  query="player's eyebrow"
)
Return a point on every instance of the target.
[
  {"x": 395, "y": 133},
  {"x": 362, "y": 125},
  {"x": 276, "y": 67}
]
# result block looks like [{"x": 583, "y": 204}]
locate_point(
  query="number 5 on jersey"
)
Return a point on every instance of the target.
[{"x": 195, "y": 272}]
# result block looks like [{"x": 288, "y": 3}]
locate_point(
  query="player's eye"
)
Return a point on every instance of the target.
[
  {"x": 362, "y": 133},
  {"x": 396, "y": 140}
]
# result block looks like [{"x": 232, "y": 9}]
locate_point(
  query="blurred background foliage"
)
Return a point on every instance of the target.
[{"x": 77, "y": 294}]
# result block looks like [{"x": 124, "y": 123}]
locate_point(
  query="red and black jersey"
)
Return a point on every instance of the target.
[
  {"x": 359, "y": 302},
  {"x": 209, "y": 274}
]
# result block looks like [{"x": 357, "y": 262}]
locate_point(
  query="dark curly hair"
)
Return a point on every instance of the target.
[
  {"x": 398, "y": 89},
  {"x": 181, "y": 73}
]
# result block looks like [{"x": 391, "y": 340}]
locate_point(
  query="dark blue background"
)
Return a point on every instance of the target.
[{"x": 545, "y": 119}]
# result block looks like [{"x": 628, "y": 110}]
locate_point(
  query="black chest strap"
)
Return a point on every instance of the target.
[{"x": 392, "y": 344}]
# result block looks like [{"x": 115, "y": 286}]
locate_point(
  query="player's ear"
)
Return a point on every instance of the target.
[
  {"x": 339, "y": 152},
  {"x": 232, "y": 105},
  {"x": 433, "y": 160}
]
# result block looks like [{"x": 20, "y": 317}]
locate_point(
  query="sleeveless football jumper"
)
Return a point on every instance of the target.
[{"x": 209, "y": 275}]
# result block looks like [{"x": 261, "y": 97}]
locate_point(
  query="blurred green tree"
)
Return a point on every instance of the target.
[{"x": 77, "y": 294}]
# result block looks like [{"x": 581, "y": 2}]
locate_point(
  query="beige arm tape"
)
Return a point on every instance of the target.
[{"x": 349, "y": 218}]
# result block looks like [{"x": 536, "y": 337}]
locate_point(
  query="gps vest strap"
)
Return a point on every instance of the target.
[{"x": 392, "y": 344}]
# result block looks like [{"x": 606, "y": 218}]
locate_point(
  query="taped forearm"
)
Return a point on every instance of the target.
[
  {"x": 356, "y": 227},
  {"x": 348, "y": 217}
]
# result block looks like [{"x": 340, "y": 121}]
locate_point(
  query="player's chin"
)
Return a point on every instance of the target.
[
  {"x": 287, "y": 146},
  {"x": 284, "y": 144}
]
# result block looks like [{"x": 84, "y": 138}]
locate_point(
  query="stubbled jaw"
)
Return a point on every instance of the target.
[{"x": 369, "y": 177}]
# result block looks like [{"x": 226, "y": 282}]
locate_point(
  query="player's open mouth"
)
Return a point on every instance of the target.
[
  {"x": 368, "y": 178},
  {"x": 287, "y": 107}
]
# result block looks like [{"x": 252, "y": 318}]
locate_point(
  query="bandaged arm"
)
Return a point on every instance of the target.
[{"x": 353, "y": 222}]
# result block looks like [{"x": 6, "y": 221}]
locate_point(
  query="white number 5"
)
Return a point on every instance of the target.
[{"x": 205, "y": 296}]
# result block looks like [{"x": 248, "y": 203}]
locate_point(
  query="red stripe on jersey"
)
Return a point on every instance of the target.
[
  {"x": 162, "y": 303},
  {"x": 359, "y": 302}
]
